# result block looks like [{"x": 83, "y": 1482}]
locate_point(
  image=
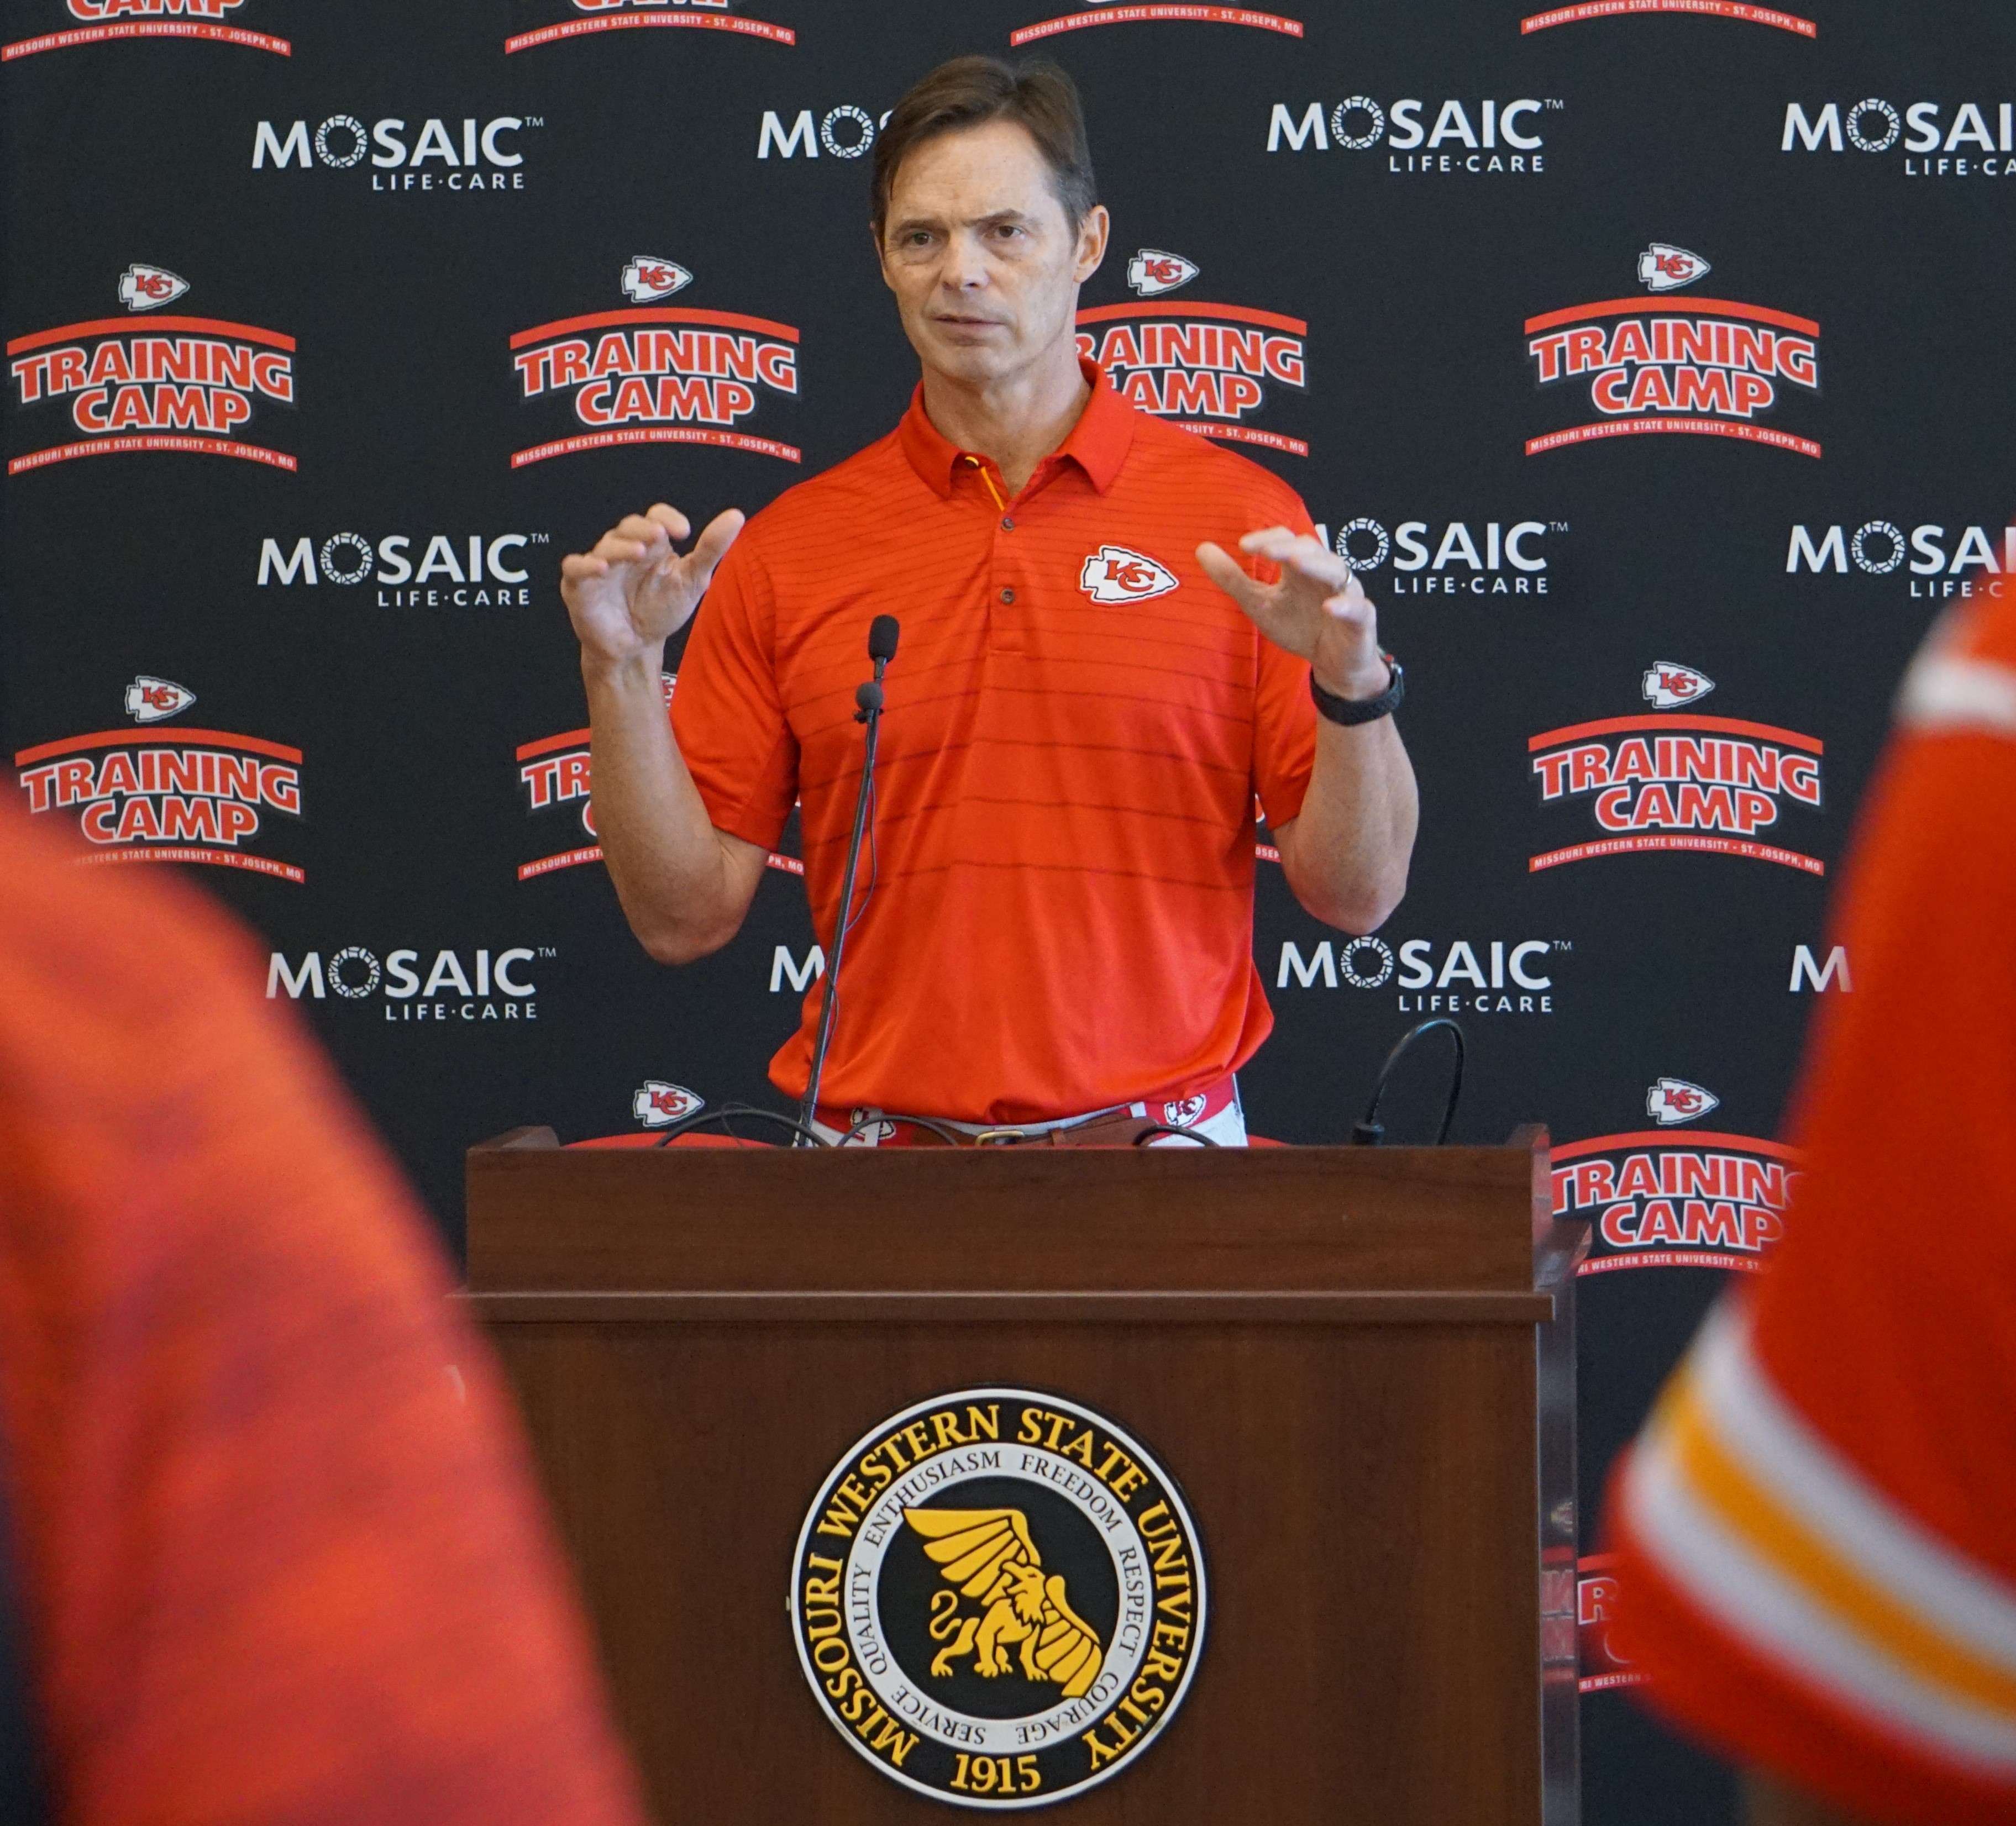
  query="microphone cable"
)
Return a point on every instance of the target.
[
  {"x": 1369, "y": 1132},
  {"x": 724, "y": 1117},
  {"x": 1164, "y": 1128}
]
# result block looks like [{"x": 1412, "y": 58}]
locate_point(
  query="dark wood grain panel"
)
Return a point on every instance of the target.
[
  {"x": 1333, "y": 1351},
  {"x": 991, "y": 1219},
  {"x": 1389, "y": 1308},
  {"x": 1365, "y": 1498}
]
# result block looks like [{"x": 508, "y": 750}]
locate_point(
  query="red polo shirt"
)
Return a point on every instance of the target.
[{"x": 1078, "y": 720}]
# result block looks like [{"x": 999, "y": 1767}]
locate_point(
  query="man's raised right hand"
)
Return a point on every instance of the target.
[{"x": 633, "y": 591}]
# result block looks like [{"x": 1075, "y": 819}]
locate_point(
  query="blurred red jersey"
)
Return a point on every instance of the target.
[
  {"x": 1819, "y": 1567},
  {"x": 274, "y": 1535}
]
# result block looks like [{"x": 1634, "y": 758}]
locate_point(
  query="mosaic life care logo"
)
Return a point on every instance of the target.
[
  {"x": 1938, "y": 140},
  {"x": 187, "y": 795},
  {"x": 1449, "y": 558},
  {"x": 1678, "y": 781},
  {"x": 1656, "y": 1199},
  {"x": 1208, "y": 367},
  {"x": 437, "y": 570},
  {"x": 1584, "y": 10},
  {"x": 101, "y": 22},
  {"x": 589, "y": 17},
  {"x": 658, "y": 373},
  {"x": 1423, "y": 137},
  {"x": 181, "y": 384},
  {"x": 1702, "y": 367},
  {"x": 1155, "y": 12},
  {"x": 1945, "y": 562},
  {"x": 482, "y": 985},
  {"x": 1495, "y": 976},
  {"x": 436, "y": 155}
]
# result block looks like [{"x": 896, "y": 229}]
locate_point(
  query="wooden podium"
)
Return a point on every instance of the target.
[{"x": 1357, "y": 1364}]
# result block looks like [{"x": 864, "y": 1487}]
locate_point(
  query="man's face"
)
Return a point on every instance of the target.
[{"x": 979, "y": 253}]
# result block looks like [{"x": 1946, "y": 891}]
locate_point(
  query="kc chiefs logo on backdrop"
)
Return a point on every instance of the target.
[
  {"x": 998, "y": 1598},
  {"x": 187, "y": 795},
  {"x": 1206, "y": 366},
  {"x": 1706, "y": 366},
  {"x": 1151, "y": 272},
  {"x": 175, "y": 384},
  {"x": 1678, "y": 781},
  {"x": 658, "y": 373},
  {"x": 574, "y": 18},
  {"x": 1661, "y": 1199},
  {"x": 99, "y": 22},
  {"x": 1153, "y": 12},
  {"x": 657, "y": 1105},
  {"x": 1584, "y": 10}
]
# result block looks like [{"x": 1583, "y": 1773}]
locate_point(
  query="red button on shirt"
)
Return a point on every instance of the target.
[{"x": 1078, "y": 720}]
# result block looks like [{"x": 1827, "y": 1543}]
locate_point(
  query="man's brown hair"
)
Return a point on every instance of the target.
[{"x": 970, "y": 92}]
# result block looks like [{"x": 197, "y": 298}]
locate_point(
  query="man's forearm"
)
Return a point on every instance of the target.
[
  {"x": 1346, "y": 853},
  {"x": 663, "y": 852}
]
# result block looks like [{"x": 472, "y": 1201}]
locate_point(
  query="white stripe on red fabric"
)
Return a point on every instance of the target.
[
  {"x": 1757, "y": 1427},
  {"x": 1770, "y": 1608},
  {"x": 1943, "y": 692},
  {"x": 1774, "y": 1618}
]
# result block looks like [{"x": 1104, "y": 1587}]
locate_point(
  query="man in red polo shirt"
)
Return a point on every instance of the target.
[{"x": 1090, "y": 692}]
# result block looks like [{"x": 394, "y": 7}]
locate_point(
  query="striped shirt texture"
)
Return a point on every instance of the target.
[
  {"x": 1819, "y": 1568},
  {"x": 275, "y": 1535},
  {"x": 1062, "y": 868}
]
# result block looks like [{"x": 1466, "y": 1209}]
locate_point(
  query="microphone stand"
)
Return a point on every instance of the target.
[{"x": 869, "y": 697}]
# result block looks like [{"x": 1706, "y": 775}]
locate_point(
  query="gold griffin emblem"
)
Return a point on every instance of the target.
[{"x": 988, "y": 1555}]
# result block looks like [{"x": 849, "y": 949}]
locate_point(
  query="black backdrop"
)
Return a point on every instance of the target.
[{"x": 152, "y": 145}]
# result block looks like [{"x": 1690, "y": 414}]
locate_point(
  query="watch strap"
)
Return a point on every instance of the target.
[{"x": 1350, "y": 710}]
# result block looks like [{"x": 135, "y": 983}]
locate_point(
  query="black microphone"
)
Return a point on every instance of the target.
[{"x": 868, "y": 698}]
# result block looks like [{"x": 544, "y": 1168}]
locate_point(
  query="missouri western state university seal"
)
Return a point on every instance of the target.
[{"x": 999, "y": 1597}]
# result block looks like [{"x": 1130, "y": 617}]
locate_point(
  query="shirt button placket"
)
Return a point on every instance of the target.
[{"x": 1008, "y": 634}]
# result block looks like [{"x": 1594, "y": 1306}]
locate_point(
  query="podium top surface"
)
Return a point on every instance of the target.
[{"x": 991, "y": 1221}]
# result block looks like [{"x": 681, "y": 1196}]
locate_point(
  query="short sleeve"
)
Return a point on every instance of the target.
[
  {"x": 1284, "y": 721},
  {"x": 727, "y": 714}
]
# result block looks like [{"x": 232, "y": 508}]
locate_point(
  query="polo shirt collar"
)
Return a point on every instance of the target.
[{"x": 1098, "y": 443}]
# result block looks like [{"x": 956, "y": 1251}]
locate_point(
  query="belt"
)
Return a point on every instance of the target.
[{"x": 1124, "y": 1126}]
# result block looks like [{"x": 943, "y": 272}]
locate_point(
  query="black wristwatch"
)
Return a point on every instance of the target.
[{"x": 1348, "y": 710}]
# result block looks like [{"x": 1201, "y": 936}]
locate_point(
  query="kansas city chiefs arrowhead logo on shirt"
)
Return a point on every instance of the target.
[{"x": 1115, "y": 574}]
